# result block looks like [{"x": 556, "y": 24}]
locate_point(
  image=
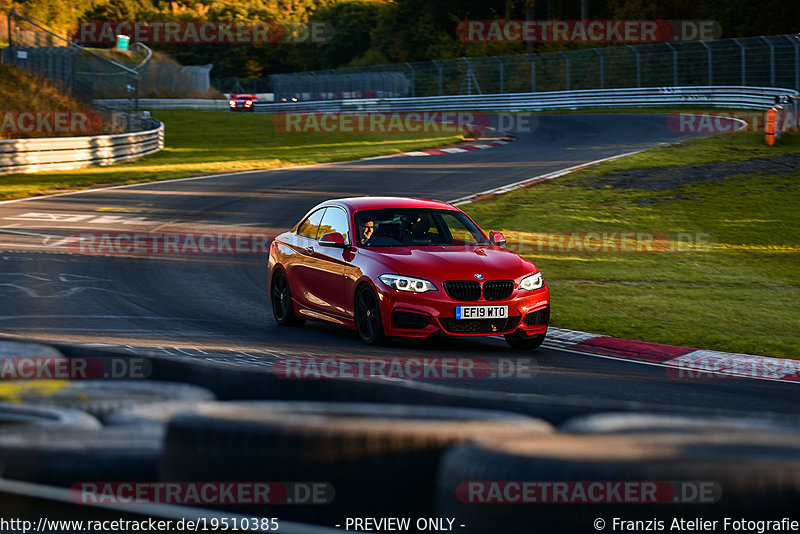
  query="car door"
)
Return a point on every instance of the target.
[
  {"x": 326, "y": 272},
  {"x": 302, "y": 267}
]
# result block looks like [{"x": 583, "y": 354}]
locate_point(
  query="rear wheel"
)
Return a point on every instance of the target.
[
  {"x": 516, "y": 341},
  {"x": 368, "y": 317},
  {"x": 281, "y": 298}
]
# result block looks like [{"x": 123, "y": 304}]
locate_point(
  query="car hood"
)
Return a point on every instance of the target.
[{"x": 452, "y": 263}]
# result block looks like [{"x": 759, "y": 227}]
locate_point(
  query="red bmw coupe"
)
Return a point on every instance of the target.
[{"x": 403, "y": 267}]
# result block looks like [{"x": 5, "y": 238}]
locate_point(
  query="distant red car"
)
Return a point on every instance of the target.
[
  {"x": 242, "y": 102},
  {"x": 387, "y": 266}
]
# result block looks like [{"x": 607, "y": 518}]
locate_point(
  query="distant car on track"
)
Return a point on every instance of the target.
[
  {"x": 402, "y": 267},
  {"x": 242, "y": 102}
]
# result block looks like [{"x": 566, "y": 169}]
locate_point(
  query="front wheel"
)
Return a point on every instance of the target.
[
  {"x": 281, "y": 298},
  {"x": 516, "y": 341},
  {"x": 368, "y": 317}
]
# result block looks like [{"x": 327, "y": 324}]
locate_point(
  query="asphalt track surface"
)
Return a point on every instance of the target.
[{"x": 216, "y": 307}]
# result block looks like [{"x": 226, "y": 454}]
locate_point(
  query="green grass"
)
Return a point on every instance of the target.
[
  {"x": 200, "y": 142},
  {"x": 736, "y": 288}
]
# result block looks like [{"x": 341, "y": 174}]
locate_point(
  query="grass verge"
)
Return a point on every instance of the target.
[
  {"x": 723, "y": 267},
  {"x": 202, "y": 142}
]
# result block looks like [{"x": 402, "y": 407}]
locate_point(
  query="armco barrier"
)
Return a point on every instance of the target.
[
  {"x": 709, "y": 96},
  {"x": 164, "y": 103},
  {"x": 59, "y": 153},
  {"x": 743, "y": 97}
]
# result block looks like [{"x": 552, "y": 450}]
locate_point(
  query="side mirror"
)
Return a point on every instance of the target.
[
  {"x": 497, "y": 238},
  {"x": 333, "y": 239}
]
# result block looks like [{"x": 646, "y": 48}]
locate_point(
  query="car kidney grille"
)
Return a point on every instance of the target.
[
  {"x": 465, "y": 290},
  {"x": 478, "y": 326},
  {"x": 498, "y": 289}
]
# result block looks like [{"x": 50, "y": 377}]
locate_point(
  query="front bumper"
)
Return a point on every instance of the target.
[{"x": 433, "y": 313}]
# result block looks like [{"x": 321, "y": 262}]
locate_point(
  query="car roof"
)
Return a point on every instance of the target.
[{"x": 370, "y": 203}]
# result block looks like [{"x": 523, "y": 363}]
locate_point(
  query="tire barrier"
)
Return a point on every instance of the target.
[
  {"x": 19, "y": 418},
  {"x": 644, "y": 423},
  {"x": 563, "y": 482},
  {"x": 231, "y": 383},
  {"x": 16, "y": 349},
  {"x": 99, "y": 397},
  {"x": 66, "y": 457},
  {"x": 377, "y": 460}
]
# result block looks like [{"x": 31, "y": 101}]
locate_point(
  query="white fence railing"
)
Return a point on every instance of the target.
[
  {"x": 60, "y": 153},
  {"x": 709, "y": 96}
]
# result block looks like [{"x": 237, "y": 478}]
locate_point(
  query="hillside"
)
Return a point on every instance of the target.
[{"x": 22, "y": 92}]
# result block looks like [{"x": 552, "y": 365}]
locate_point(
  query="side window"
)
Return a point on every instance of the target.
[
  {"x": 335, "y": 220},
  {"x": 310, "y": 226}
]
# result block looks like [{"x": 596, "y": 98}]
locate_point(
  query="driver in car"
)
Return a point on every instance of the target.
[{"x": 367, "y": 228}]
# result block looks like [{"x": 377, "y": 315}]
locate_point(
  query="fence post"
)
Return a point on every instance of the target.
[
  {"x": 796, "y": 61},
  {"x": 533, "y": 72},
  {"x": 602, "y": 69},
  {"x": 413, "y": 79},
  {"x": 638, "y": 66},
  {"x": 710, "y": 61},
  {"x": 440, "y": 75},
  {"x": 566, "y": 66},
  {"x": 771, "y": 61},
  {"x": 674, "y": 64},
  {"x": 744, "y": 62},
  {"x": 501, "y": 72}
]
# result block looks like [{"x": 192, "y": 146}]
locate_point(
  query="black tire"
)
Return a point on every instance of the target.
[
  {"x": 756, "y": 475},
  {"x": 101, "y": 397},
  {"x": 18, "y": 417},
  {"x": 159, "y": 413},
  {"x": 280, "y": 296},
  {"x": 379, "y": 459},
  {"x": 367, "y": 316},
  {"x": 66, "y": 457},
  {"x": 653, "y": 423},
  {"x": 16, "y": 349},
  {"x": 523, "y": 342}
]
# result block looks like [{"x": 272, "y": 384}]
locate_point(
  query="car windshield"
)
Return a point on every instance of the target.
[{"x": 403, "y": 227}]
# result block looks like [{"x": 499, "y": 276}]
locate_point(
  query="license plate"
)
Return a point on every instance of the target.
[{"x": 481, "y": 312}]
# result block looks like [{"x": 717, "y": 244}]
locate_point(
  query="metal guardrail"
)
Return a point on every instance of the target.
[
  {"x": 60, "y": 153},
  {"x": 165, "y": 103},
  {"x": 709, "y": 96},
  {"x": 712, "y": 96}
]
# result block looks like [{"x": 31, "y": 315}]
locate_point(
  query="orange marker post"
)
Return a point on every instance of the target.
[{"x": 769, "y": 129}]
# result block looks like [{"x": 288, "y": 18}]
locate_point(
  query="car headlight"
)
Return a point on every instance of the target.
[
  {"x": 407, "y": 283},
  {"x": 532, "y": 282}
]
